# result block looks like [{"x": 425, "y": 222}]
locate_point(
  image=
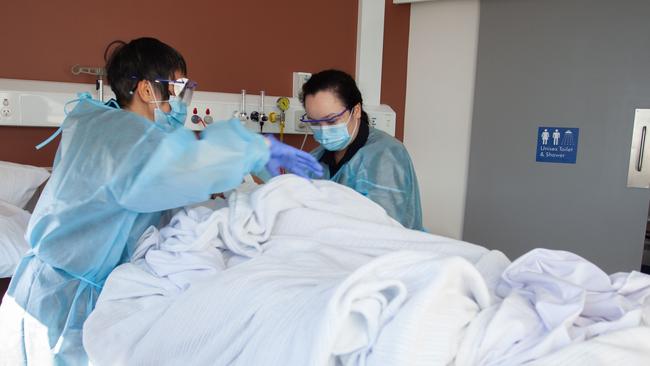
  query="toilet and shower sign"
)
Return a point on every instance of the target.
[{"x": 557, "y": 145}]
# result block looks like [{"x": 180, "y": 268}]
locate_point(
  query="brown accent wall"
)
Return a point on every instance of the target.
[{"x": 229, "y": 46}]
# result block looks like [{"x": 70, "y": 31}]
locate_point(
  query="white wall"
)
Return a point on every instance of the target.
[{"x": 443, "y": 43}]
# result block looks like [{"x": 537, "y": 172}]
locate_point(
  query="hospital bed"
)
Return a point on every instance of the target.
[
  {"x": 311, "y": 273},
  {"x": 298, "y": 274}
]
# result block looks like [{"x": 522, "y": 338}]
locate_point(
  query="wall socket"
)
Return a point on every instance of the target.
[
  {"x": 300, "y": 126},
  {"x": 299, "y": 78}
]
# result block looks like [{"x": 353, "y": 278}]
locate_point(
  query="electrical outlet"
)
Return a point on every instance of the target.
[
  {"x": 5, "y": 111},
  {"x": 299, "y": 126},
  {"x": 373, "y": 121}
]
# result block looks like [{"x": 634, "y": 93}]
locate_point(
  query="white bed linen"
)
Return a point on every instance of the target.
[
  {"x": 311, "y": 273},
  {"x": 13, "y": 245},
  {"x": 294, "y": 273},
  {"x": 19, "y": 182},
  {"x": 552, "y": 299}
]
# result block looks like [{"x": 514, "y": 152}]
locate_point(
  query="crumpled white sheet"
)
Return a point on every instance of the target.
[
  {"x": 552, "y": 299},
  {"x": 293, "y": 273},
  {"x": 312, "y": 273},
  {"x": 623, "y": 347}
]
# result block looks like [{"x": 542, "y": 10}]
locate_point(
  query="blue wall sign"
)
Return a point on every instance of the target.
[{"x": 557, "y": 145}]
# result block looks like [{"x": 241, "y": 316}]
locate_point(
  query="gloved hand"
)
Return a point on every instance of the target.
[{"x": 296, "y": 161}]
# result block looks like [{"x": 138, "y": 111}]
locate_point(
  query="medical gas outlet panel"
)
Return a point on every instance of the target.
[{"x": 41, "y": 104}]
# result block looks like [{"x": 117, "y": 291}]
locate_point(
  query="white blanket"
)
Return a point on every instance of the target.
[
  {"x": 311, "y": 273},
  {"x": 550, "y": 300},
  {"x": 13, "y": 245}
]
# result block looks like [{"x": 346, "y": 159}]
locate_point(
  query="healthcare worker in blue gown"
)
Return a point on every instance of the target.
[
  {"x": 116, "y": 170},
  {"x": 355, "y": 154}
]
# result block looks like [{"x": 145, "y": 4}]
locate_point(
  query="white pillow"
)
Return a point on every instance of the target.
[
  {"x": 13, "y": 225},
  {"x": 18, "y": 182}
]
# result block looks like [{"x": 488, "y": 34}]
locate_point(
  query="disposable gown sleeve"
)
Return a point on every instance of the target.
[
  {"x": 169, "y": 170},
  {"x": 389, "y": 180}
]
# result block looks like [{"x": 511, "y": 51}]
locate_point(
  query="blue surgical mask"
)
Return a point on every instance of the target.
[
  {"x": 178, "y": 113},
  {"x": 175, "y": 118},
  {"x": 334, "y": 137},
  {"x": 164, "y": 120}
]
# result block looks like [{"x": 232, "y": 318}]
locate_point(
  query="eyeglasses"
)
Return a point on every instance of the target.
[
  {"x": 183, "y": 88},
  {"x": 331, "y": 119}
]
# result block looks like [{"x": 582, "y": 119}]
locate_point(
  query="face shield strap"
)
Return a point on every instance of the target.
[{"x": 155, "y": 100}]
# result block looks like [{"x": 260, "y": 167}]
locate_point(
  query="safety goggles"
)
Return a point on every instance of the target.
[
  {"x": 182, "y": 88},
  {"x": 331, "y": 119}
]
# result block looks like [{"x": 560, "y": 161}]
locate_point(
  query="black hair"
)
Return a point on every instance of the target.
[
  {"x": 141, "y": 59},
  {"x": 338, "y": 82}
]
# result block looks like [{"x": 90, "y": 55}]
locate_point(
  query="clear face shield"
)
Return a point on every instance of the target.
[
  {"x": 182, "y": 89},
  {"x": 178, "y": 94}
]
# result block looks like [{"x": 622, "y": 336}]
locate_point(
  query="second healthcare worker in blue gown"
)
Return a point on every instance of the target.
[
  {"x": 355, "y": 154},
  {"x": 116, "y": 170}
]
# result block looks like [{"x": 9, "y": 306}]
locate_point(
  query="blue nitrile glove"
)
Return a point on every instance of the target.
[{"x": 295, "y": 161}]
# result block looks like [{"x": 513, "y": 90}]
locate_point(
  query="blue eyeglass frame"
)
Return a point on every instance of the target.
[{"x": 329, "y": 119}]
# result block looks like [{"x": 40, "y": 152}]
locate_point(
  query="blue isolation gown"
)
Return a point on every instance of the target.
[
  {"x": 382, "y": 171},
  {"x": 114, "y": 174}
]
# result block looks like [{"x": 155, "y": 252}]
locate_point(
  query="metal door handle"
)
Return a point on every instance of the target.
[{"x": 639, "y": 162}]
